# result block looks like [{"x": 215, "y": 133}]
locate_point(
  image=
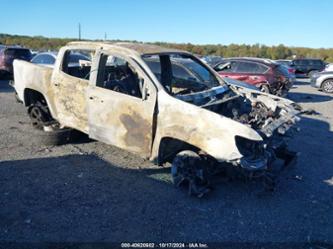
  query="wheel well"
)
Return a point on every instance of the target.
[
  {"x": 170, "y": 147},
  {"x": 33, "y": 96}
]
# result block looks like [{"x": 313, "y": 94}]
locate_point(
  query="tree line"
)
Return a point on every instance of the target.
[{"x": 281, "y": 51}]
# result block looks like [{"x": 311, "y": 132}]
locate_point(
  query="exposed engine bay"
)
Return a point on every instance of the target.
[
  {"x": 273, "y": 118},
  {"x": 258, "y": 111}
]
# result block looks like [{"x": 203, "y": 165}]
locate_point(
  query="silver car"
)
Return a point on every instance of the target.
[
  {"x": 323, "y": 80},
  {"x": 45, "y": 59}
]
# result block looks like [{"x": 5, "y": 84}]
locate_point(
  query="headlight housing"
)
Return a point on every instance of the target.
[
  {"x": 315, "y": 75},
  {"x": 253, "y": 152}
]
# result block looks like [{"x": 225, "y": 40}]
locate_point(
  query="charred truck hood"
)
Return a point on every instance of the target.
[{"x": 271, "y": 117}]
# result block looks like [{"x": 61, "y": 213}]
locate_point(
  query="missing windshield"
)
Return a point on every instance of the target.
[{"x": 181, "y": 73}]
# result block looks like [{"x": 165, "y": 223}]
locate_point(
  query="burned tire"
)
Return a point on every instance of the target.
[
  {"x": 38, "y": 115},
  {"x": 188, "y": 169},
  {"x": 45, "y": 128},
  {"x": 327, "y": 86}
]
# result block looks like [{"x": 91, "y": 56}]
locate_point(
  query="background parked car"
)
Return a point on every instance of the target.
[
  {"x": 323, "y": 80},
  {"x": 212, "y": 60},
  {"x": 287, "y": 64},
  {"x": 7, "y": 55},
  {"x": 328, "y": 68},
  {"x": 34, "y": 53},
  {"x": 307, "y": 67},
  {"x": 265, "y": 74},
  {"x": 291, "y": 71},
  {"x": 46, "y": 59}
]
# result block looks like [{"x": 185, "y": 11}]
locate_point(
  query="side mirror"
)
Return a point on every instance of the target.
[{"x": 144, "y": 89}]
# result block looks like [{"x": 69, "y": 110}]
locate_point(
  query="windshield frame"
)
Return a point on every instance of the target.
[{"x": 219, "y": 80}]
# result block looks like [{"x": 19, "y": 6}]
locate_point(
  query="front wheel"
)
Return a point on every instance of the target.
[
  {"x": 327, "y": 86},
  {"x": 188, "y": 169}
]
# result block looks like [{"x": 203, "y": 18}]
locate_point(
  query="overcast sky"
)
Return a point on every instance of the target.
[{"x": 291, "y": 22}]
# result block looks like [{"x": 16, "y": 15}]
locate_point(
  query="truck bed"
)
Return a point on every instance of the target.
[{"x": 32, "y": 76}]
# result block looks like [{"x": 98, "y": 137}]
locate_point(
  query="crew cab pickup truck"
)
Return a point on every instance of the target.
[{"x": 163, "y": 104}]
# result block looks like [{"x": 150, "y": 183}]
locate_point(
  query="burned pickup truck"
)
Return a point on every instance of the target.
[{"x": 163, "y": 104}]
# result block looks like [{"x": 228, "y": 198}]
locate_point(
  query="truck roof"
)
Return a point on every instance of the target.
[{"x": 140, "y": 48}]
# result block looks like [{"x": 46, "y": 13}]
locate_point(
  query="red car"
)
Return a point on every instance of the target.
[
  {"x": 265, "y": 74},
  {"x": 7, "y": 55}
]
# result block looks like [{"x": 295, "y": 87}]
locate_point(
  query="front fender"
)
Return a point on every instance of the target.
[{"x": 210, "y": 132}]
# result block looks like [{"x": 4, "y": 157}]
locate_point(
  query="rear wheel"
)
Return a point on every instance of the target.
[
  {"x": 45, "y": 128},
  {"x": 188, "y": 169},
  {"x": 37, "y": 115},
  {"x": 327, "y": 86}
]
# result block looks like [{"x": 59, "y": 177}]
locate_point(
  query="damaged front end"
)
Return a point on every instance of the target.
[{"x": 273, "y": 118}]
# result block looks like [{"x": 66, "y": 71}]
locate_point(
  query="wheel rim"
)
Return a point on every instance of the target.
[
  {"x": 328, "y": 86},
  {"x": 187, "y": 170},
  {"x": 36, "y": 117},
  {"x": 183, "y": 172}
]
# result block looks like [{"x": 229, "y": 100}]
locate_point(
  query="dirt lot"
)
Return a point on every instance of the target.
[{"x": 89, "y": 191}]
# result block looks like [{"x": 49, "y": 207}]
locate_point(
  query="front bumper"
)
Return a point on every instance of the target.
[
  {"x": 315, "y": 82},
  {"x": 254, "y": 165},
  {"x": 287, "y": 158}
]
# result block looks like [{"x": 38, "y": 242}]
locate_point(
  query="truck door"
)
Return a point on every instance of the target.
[
  {"x": 121, "y": 104},
  {"x": 70, "y": 81}
]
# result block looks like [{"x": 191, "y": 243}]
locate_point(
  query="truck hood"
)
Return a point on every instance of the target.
[{"x": 265, "y": 113}]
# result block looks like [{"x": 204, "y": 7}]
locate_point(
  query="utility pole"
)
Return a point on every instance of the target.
[
  {"x": 79, "y": 31},
  {"x": 105, "y": 36}
]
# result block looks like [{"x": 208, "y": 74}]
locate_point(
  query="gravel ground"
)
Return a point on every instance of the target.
[{"x": 91, "y": 192}]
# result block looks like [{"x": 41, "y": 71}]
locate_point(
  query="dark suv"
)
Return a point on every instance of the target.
[
  {"x": 307, "y": 67},
  {"x": 7, "y": 55},
  {"x": 265, "y": 74}
]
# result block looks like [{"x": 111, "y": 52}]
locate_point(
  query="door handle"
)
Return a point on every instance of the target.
[{"x": 94, "y": 97}]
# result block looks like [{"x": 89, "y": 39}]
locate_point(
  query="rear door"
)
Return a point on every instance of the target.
[
  {"x": 121, "y": 104},
  {"x": 70, "y": 81}
]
